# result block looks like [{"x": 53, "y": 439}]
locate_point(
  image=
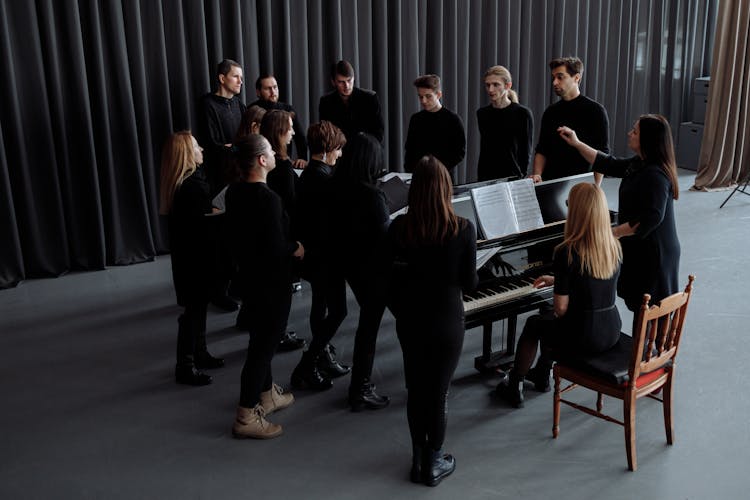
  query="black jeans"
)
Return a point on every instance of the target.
[
  {"x": 266, "y": 326},
  {"x": 191, "y": 332},
  {"x": 371, "y": 299},
  {"x": 327, "y": 309}
]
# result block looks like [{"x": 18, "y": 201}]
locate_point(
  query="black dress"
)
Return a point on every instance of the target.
[
  {"x": 651, "y": 257},
  {"x": 263, "y": 249},
  {"x": 425, "y": 296}
]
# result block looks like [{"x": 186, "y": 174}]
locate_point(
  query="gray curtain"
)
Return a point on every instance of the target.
[
  {"x": 93, "y": 87},
  {"x": 725, "y": 150}
]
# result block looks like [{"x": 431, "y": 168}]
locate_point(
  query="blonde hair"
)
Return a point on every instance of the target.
[
  {"x": 589, "y": 234},
  {"x": 177, "y": 164},
  {"x": 504, "y": 74}
]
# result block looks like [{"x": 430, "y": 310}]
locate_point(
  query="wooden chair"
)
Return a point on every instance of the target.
[{"x": 648, "y": 358}]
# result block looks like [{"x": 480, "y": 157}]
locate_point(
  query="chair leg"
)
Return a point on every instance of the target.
[
  {"x": 629, "y": 420},
  {"x": 556, "y": 405},
  {"x": 599, "y": 403},
  {"x": 667, "y": 404}
]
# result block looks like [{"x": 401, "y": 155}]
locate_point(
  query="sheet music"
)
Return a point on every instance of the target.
[
  {"x": 495, "y": 212},
  {"x": 528, "y": 213}
]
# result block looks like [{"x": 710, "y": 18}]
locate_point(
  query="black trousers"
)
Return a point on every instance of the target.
[
  {"x": 430, "y": 359},
  {"x": 266, "y": 326},
  {"x": 191, "y": 332},
  {"x": 371, "y": 298},
  {"x": 327, "y": 309}
]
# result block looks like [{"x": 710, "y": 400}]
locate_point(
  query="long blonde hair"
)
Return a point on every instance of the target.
[
  {"x": 589, "y": 234},
  {"x": 504, "y": 74},
  {"x": 177, "y": 164}
]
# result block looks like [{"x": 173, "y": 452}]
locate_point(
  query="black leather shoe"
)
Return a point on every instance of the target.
[
  {"x": 225, "y": 303},
  {"x": 290, "y": 342},
  {"x": 190, "y": 376},
  {"x": 511, "y": 390},
  {"x": 540, "y": 378},
  {"x": 365, "y": 398},
  {"x": 205, "y": 361},
  {"x": 437, "y": 466},
  {"x": 329, "y": 366},
  {"x": 307, "y": 376}
]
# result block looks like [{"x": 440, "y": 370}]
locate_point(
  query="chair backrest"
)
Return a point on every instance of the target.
[{"x": 656, "y": 338}]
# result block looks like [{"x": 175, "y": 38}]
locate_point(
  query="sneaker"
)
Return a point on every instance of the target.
[
  {"x": 251, "y": 423},
  {"x": 275, "y": 399}
]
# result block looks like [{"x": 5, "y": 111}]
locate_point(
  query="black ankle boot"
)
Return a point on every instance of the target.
[
  {"x": 511, "y": 390},
  {"x": 437, "y": 466},
  {"x": 307, "y": 376},
  {"x": 364, "y": 397},
  {"x": 539, "y": 375},
  {"x": 188, "y": 375},
  {"x": 204, "y": 361},
  {"x": 328, "y": 364},
  {"x": 290, "y": 342},
  {"x": 417, "y": 457}
]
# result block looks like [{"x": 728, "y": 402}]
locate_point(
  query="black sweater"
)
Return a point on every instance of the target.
[
  {"x": 439, "y": 133},
  {"x": 361, "y": 113},
  {"x": 505, "y": 145}
]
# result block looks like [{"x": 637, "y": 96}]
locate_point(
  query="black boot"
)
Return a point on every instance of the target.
[
  {"x": 417, "y": 457},
  {"x": 539, "y": 375},
  {"x": 363, "y": 396},
  {"x": 204, "y": 360},
  {"x": 328, "y": 364},
  {"x": 437, "y": 466},
  {"x": 188, "y": 375},
  {"x": 307, "y": 376},
  {"x": 290, "y": 342},
  {"x": 511, "y": 390}
]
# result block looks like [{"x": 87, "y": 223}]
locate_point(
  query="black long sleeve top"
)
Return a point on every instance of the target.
[
  {"x": 361, "y": 113},
  {"x": 283, "y": 181},
  {"x": 311, "y": 221},
  {"x": 505, "y": 143},
  {"x": 588, "y": 118},
  {"x": 439, "y": 133},
  {"x": 218, "y": 121}
]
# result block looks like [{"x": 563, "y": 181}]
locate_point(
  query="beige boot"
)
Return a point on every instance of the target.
[
  {"x": 251, "y": 423},
  {"x": 275, "y": 399}
]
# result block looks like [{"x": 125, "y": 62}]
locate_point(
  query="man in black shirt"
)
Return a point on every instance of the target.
[
  {"x": 435, "y": 130},
  {"x": 554, "y": 158},
  {"x": 219, "y": 116},
  {"x": 267, "y": 90},
  {"x": 351, "y": 108}
]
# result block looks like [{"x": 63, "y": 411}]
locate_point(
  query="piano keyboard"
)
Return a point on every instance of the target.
[{"x": 502, "y": 290}]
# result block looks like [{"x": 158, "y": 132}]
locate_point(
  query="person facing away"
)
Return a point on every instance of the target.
[
  {"x": 267, "y": 90},
  {"x": 586, "y": 266},
  {"x": 434, "y": 130},
  {"x": 350, "y": 108},
  {"x": 219, "y": 117},
  {"x": 506, "y": 129},
  {"x": 554, "y": 158},
  {"x": 433, "y": 256},
  {"x": 184, "y": 198}
]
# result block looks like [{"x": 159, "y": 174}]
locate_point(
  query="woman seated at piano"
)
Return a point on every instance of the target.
[
  {"x": 585, "y": 320},
  {"x": 433, "y": 254},
  {"x": 647, "y": 230}
]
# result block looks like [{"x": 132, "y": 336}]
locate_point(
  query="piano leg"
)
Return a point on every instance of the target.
[{"x": 493, "y": 361}]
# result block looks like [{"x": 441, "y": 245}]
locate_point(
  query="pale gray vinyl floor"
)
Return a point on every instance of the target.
[{"x": 90, "y": 410}]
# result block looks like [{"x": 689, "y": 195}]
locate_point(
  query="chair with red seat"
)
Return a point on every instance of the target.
[{"x": 648, "y": 358}]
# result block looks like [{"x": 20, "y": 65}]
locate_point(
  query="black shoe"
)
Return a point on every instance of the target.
[
  {"x": 205, "y": 361},
  {"x": 417, "y": 457},
  {"x": 511, "y": 390},
  {"x": 290, "y": 342},
  {"x": 188, "y": 375},
  {"x": 437, "y": 466},
  {"x": 328, "y": 365},
  {"x": 540, "y": 377},
  {"x": 364, "y": 397},
  {"x": 307, "y": 376},
  {"x": 225, "y": 303}
]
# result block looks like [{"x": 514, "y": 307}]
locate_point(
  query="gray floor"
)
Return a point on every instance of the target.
[{"x": 90, "y": 410}]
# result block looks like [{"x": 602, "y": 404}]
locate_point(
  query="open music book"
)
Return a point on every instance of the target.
[{"x": 507, "y": 208}]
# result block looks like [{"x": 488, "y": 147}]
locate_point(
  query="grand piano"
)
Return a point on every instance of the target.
[{"x": 506, "y": 279}]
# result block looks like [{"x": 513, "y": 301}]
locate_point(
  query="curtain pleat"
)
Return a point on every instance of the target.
[{"x": 94, "y": 87}]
